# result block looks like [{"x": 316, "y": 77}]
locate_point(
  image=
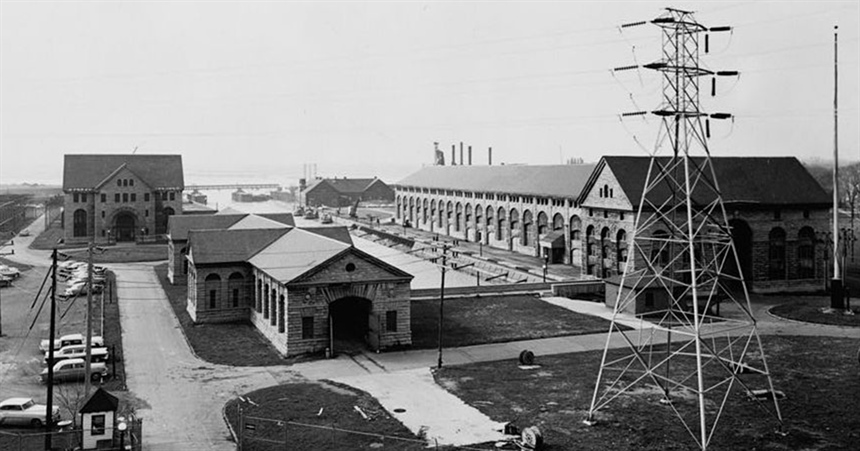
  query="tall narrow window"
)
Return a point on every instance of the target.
[
  {"x": 104, "y": 198},
  {"x": 281, "y": 314},
  {"x": 776, "y": 254},
  {"x": 146, "y": 197},
  {"x": 125, "y": 197},
  {"x": 134, "y": 197},
  {"x": 806, "y": 253},
  {"x": 116, "y": 197}
]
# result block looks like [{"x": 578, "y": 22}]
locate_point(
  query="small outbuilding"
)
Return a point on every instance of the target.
[{"x": 98, "y": 416}]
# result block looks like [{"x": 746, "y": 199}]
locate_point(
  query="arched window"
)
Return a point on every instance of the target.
[
  {"x": 514, "y": 221},
  {"x": 605, "y": 252},
  {"x": 557, "y": 221},
  {"x": 528, "y": 224},
  {"x": 424, "y": 212},
  {"x": 806, "y": 253},
  {"x": 212, "y": 284},
  {"x": 273, "y": 318},
  {"x": 776, "y": 254},
  {"x": 621, "y": 250},
  {"x": 542, "y": 224},
  {"x": 258, "y": 296},
  {"x": 80, "y": 223},
  {"x": 575, "y": 228},
  {"x": 501, "y": 224},
  {"x": 281, "y": 315},
  {"x": 459, "y": 217},
  {"x": 266, "y": 301},
  {"x": 235, "y": 285}
]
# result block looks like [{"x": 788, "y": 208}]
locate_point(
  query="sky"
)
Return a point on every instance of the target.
[{"x": 259, "y": 91}]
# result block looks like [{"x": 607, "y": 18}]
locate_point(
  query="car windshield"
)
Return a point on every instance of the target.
[{"x": 28, "y": 404}]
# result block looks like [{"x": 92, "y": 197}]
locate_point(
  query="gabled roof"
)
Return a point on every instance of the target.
[
  {"x": 283, "y": 218},
  {"x": 550, "y": 180},
  {"x": 257, "y": 222},
  {"x": 339, "y": 233},
  {"x": 295, "y": 253},
  {"x": 178, "y": 226},
  {"x": 229, "y": 246},
  {"x": 100, "y": 401},
  {"x": 742, "y": 180},
  {"x": 88, "y": 171},
  {"x": 344, "y": 185}
]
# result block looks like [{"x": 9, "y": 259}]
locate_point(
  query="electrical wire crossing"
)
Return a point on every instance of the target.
[{"x": 684, "y": 260}]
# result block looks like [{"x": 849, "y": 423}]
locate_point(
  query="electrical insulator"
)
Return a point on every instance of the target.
[
  {"x": 707, "y": 42},
  {"x": 713, "y": 87},
  {"x": 708, "y": 128}
]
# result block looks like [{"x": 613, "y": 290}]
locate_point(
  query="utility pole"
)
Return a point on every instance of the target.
[
  {"x": 442, "y": 302},
  {"x": 89, "y": 347},
  {"x": 12, "y": 252},
  {"x": 49, "y": 417},
  {"x": 836, "y": 283}
]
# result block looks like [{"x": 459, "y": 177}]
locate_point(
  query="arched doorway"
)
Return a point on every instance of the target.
[
  {"x": 742, "y": 238},
  {"x": 349, "y": 319},
  {"x": 124, "y": 226}
]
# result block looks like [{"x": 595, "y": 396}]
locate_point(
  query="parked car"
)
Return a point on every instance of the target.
[
  {"x": 75, "y": 370},
  {"x": 71, "y": 339},
  {"x": 25, "y": 412},
  {"x": 97, "y": 354},
  {"x": 80, "y": 287},
  {"x": 10, "y": 272},
  {"x": 24, "y": 232},
  {"x": 5, "y": 281}
]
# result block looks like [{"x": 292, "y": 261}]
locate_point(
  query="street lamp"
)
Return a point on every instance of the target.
[
  {"x": 545, "y": 263},
  {"x": 122, "y": 426}
]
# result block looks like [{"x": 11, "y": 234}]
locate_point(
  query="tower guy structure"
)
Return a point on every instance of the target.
[{"x": 684, "y": 265}]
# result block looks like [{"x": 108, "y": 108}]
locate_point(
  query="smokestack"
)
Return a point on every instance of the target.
[
  {"x": 453, "y": 155},
  {"x": 470, "y": 155},
  {"x": 461, "y": 153},
  {"x": 490, "y": 156}
]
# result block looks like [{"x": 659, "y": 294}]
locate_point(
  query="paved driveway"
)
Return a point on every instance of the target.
[{"x": 184, "y": 395}]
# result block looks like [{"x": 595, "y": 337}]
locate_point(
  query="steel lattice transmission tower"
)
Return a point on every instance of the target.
[{"x": 684, "y": 259}]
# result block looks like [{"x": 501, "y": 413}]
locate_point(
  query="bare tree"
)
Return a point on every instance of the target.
[
  {"x": 849, "y": 185},
  {"x": 70, "y": 398}
]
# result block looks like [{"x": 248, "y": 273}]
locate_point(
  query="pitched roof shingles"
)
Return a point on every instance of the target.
[
  {"x": 87, "y": 171},
  {"x": 564, "y": 180}
]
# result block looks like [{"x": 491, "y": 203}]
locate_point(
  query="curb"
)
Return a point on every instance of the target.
[{"x": 806, "y": 323}]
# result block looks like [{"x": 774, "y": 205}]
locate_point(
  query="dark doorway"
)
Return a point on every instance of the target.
[
  {"x": 742, "y": 239},
  {"x": 350, "y": 324},
  {"x": 124, "y": 226}
]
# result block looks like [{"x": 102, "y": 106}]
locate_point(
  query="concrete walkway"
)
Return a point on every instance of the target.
[{"x": 417, "y": 401}]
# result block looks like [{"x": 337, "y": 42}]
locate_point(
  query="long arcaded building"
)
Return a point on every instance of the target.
[{"x": 584, "y": 215}]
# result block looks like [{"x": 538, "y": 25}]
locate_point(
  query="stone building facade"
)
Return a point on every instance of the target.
[
  {"x": 532, "y": 210},
  {"x": 305, "y": 291},
  {"x": 120, "y": 197},
  {"x": 778, "y": 229}
]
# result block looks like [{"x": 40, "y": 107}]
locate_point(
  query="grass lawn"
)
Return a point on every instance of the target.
[
  {"x": 494, "y": 319},
  {"x": 248, "y": 347},
  {"x": 301, "y": 403},
  {"x": 818, "y": 375},
  {"x": 812, "y": 310}
]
